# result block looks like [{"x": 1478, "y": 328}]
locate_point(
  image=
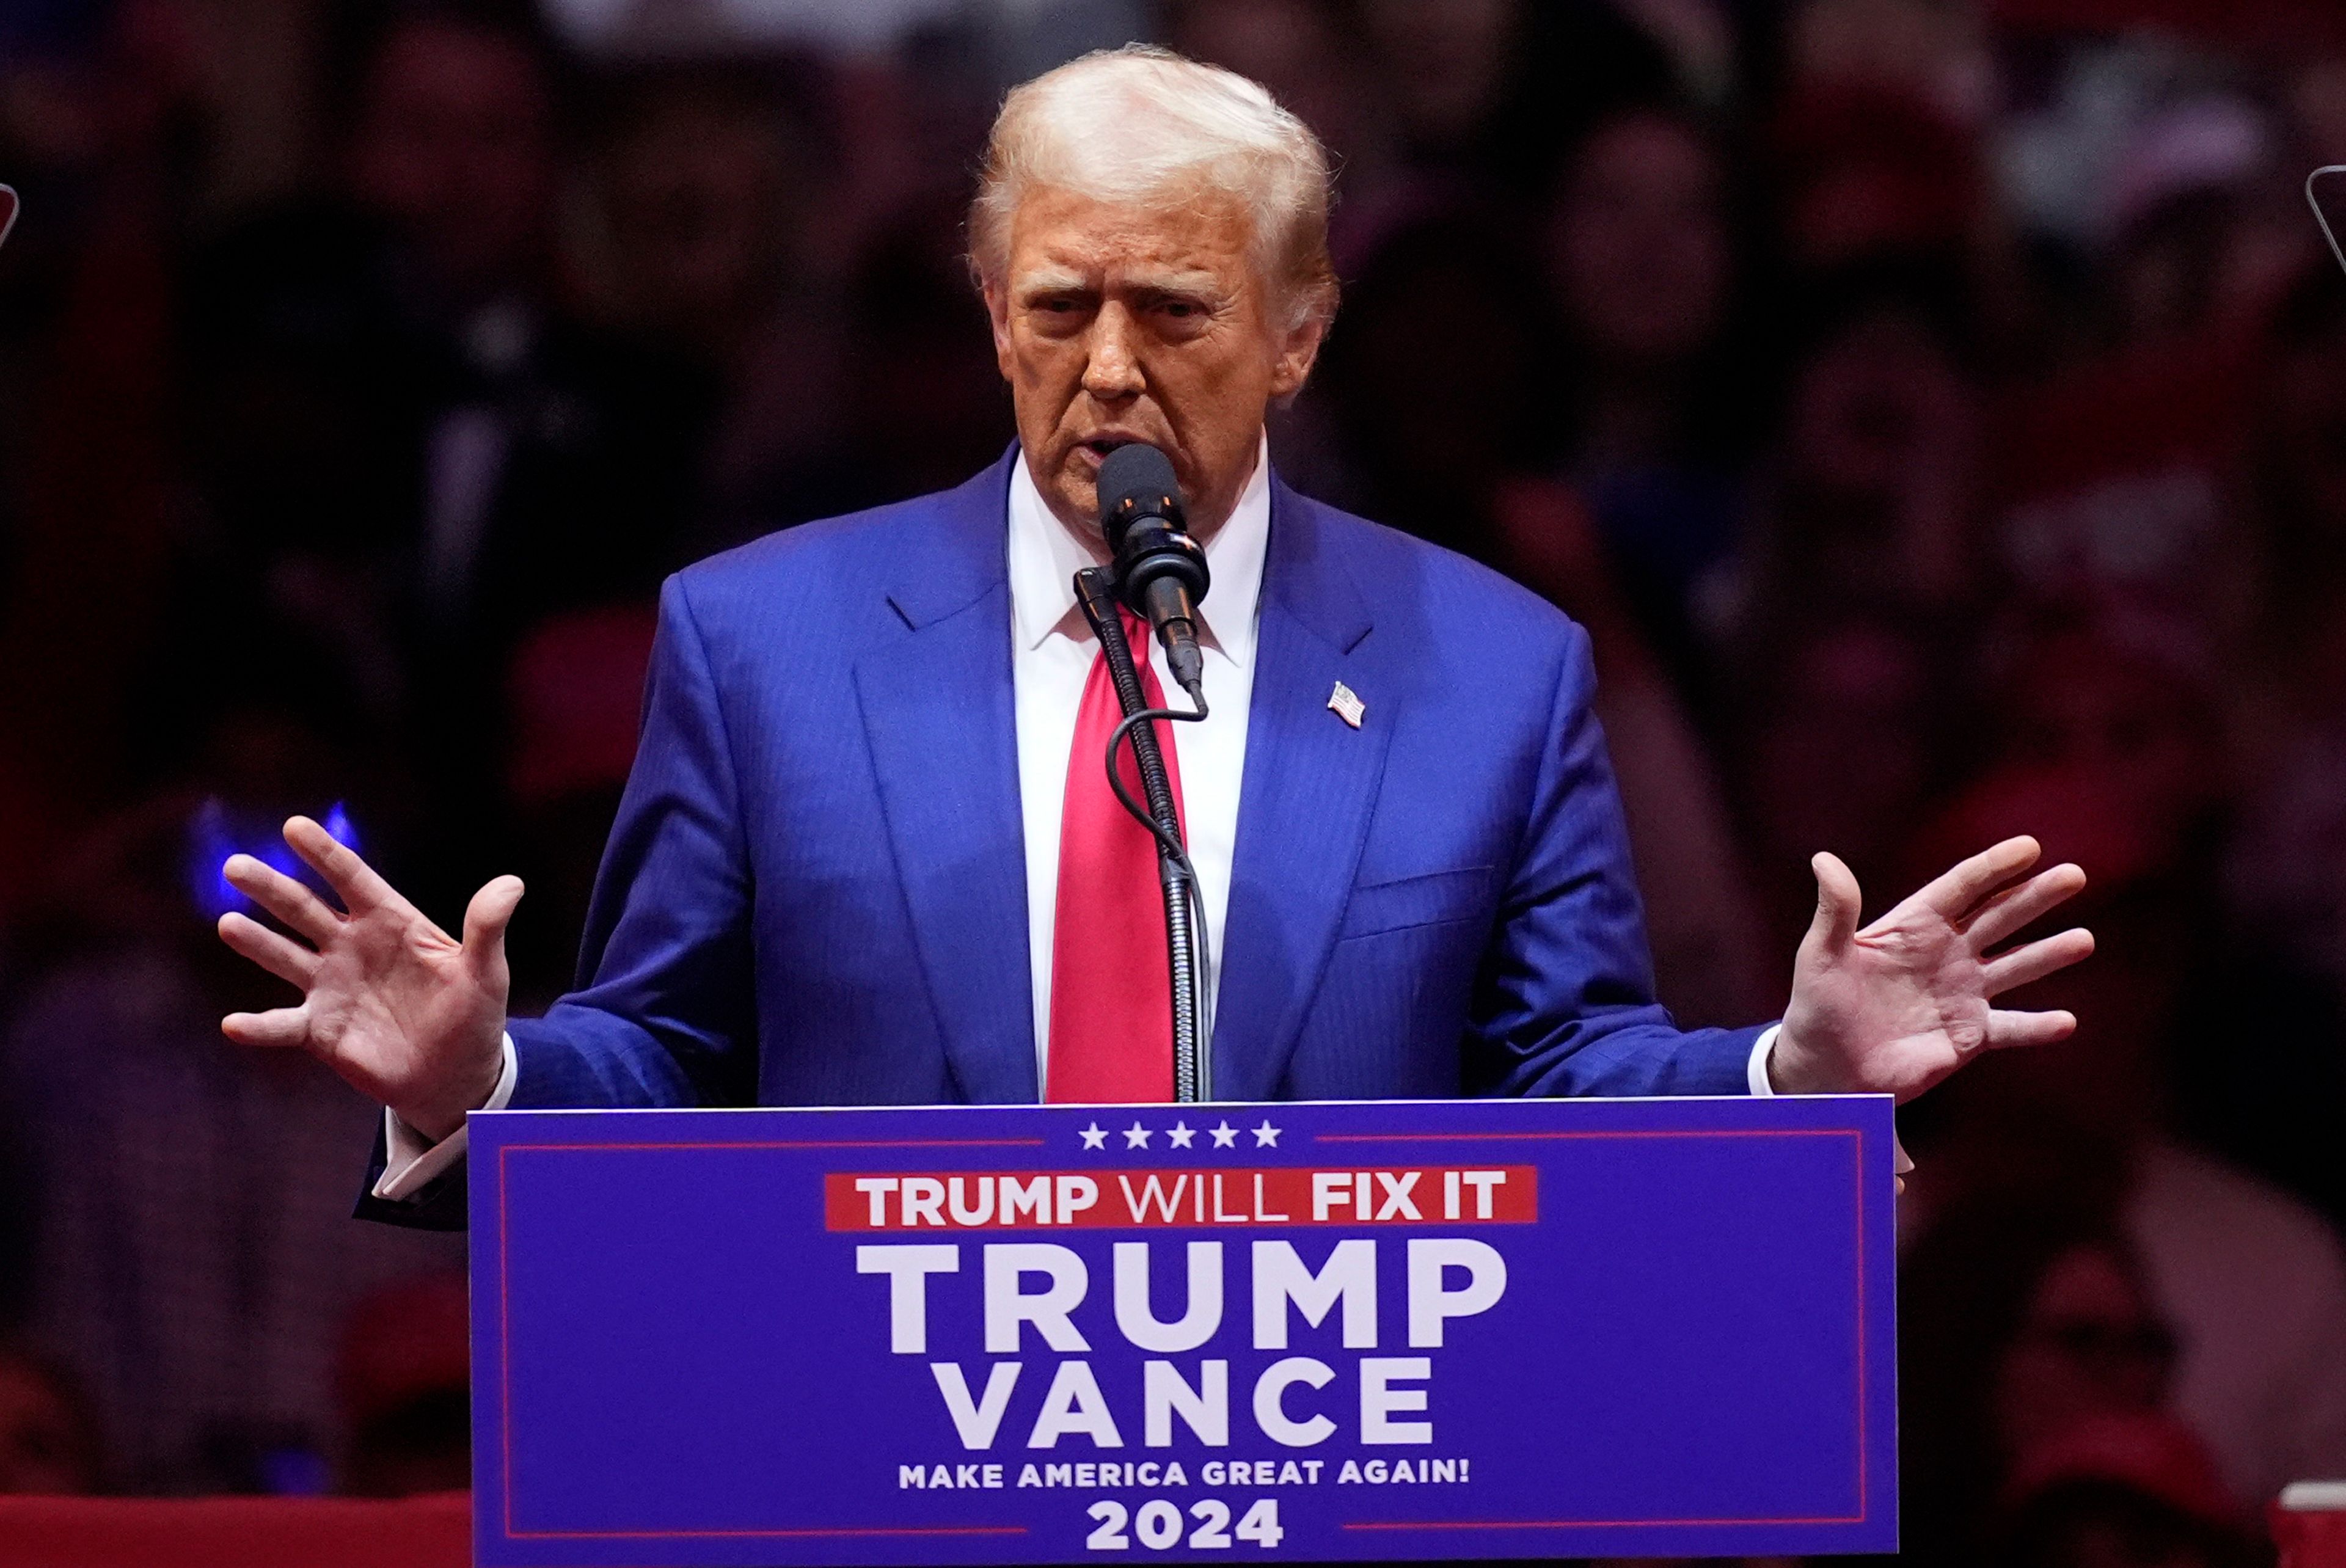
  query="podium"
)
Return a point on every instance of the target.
[{"x": 1299, "y": 1332}]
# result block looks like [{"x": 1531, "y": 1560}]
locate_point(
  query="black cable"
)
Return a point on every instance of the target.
[{"x": 1167, "y": 842}]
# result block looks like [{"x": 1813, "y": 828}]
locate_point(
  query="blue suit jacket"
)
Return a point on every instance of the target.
[{"x": 815, "y": 893}]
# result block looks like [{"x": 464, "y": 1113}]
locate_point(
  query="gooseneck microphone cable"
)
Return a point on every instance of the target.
[{"x": 1185, "y": 924}]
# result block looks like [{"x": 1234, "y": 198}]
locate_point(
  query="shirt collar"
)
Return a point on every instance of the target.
[{"x": 1044, "y": 557}]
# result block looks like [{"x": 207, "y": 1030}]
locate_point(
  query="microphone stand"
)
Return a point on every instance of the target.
[{"x": 1185, "y": 925}]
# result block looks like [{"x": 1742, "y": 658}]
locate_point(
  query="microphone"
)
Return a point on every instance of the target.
[{"x": 1160, "y": 572}]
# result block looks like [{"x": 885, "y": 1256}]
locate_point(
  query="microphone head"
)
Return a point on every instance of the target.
[
  {"x": 1147, "y": 531},
  {"x": 1137, "y": 480}
]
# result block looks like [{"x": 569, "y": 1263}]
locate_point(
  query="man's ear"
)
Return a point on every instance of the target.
[
  {"x": 1297, "y": 356},
  {"x": 997, "y": 314}
]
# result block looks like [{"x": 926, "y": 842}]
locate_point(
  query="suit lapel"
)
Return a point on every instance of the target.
[
  {"x": 1310, "y": 781},
  {"x": 938, "y": 714}
]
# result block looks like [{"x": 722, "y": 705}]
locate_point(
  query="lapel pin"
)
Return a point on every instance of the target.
[{"x": 1346, "y": 706}]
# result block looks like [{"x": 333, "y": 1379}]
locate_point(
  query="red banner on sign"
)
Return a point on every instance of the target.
[{"x": 1097, "y": 1199}]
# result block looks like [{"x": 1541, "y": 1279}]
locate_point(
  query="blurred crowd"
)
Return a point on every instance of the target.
[{"x": 1935, "y": 410}]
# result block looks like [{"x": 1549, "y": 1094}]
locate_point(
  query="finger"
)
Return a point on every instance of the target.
[
  {"x": 1838, "y": 902},
  {"x": 288, "y": 961},
  {"x": 2006, "y": 1027},
  {"x": 2035, "y": 961},
  {"x": 1955, "y": 890},
  {"x": 2016, "y": 906},
  {"x": 354, "y": 880},
  {"x": 485, "y": 919},
  {"x": 278, "y": 1027},
  {"x": 283, "y": 896}
]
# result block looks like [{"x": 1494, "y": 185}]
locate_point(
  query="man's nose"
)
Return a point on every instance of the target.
[{"x": 1112, "y": 373}]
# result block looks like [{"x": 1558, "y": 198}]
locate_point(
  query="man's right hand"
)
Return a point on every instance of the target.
[{"x": 406, "y": 1013}]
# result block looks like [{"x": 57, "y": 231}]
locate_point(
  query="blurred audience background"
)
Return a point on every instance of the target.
[{"x": 1935, "y": 410}]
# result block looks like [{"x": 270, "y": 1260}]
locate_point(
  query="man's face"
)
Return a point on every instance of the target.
[
  {"x": 453, "y": 145},
  {"x": 1122, "y": 323}
]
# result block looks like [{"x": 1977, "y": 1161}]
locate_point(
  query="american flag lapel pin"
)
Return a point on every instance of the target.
[{"x": 1346, "y": 706}]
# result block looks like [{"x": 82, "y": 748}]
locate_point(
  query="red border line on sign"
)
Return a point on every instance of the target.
[
  {"x": 504, "y": 1332},
  {"x": 1584, "y": 1524},
  {"x": 793, "y": 1144},
  {"x": 762, "y": 1535},
  {"x": 1857, "y": 1182},
  {"x": 1567, "y": 1137},
  {"x": 1857, "y": 1140}
]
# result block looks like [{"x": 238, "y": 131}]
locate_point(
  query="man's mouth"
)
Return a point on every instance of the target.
[{"x": 1095, "y": 451}]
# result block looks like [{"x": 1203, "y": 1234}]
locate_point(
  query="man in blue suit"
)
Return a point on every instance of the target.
[{"x": 863, "y": 857}]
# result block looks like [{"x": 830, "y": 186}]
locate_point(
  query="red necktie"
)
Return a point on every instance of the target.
[{"x": 1111, "y": 982}]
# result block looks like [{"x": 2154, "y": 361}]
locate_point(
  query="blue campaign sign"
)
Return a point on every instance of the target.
[{"x": 1280, "y": 1332}]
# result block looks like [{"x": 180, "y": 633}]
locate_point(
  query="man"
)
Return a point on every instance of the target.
[{"x": 867, "y": 854}]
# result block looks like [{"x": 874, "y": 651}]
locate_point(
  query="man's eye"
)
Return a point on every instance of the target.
[{"x": 1180, "y": 308}]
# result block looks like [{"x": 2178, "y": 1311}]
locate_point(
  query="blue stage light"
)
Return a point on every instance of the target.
[{"x": 217, "y": 831}]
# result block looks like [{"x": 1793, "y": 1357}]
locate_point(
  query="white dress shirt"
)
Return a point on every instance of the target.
[{"x": 1051, "y": 658}]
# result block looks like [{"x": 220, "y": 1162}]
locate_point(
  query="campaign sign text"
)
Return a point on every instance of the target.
[{"x": 1295, "y": 1333}]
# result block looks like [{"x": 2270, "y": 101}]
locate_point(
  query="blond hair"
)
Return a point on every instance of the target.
[{"x": 1142, "y": 122}]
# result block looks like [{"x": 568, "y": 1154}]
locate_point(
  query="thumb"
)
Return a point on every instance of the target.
[
  {"x": 1837, "y": 904},
  {"x": 485, "y": 919}
]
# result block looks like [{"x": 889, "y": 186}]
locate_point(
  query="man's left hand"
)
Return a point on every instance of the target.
[{"x": 1899, "y": 1005}]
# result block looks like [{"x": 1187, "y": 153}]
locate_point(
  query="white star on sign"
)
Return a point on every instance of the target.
[
  {"x": 1266, "y": 1135},
  {"x": 1224, "y": 1135},
  {"x": 1135, "y": 1136},
  {"x": 1094, "y": 1138},
  {"x": 1180, "y": 1135}
]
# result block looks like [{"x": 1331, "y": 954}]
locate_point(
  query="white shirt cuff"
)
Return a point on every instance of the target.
[
  {"x": 1755, "y": 1072},
  {"x": 1755, "y": 1076},
  {"x": 411, "y": 1162}
]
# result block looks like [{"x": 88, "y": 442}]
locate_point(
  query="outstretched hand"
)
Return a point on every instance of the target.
[
  {"x": 1899, "y": 1005},
  {"x": 407, "y": 1015}
]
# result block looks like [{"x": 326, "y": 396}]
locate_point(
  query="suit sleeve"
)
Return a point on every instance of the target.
[
  {"x": 664, "y": 1015},
  {"x": 1565, "y": 1002}
]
